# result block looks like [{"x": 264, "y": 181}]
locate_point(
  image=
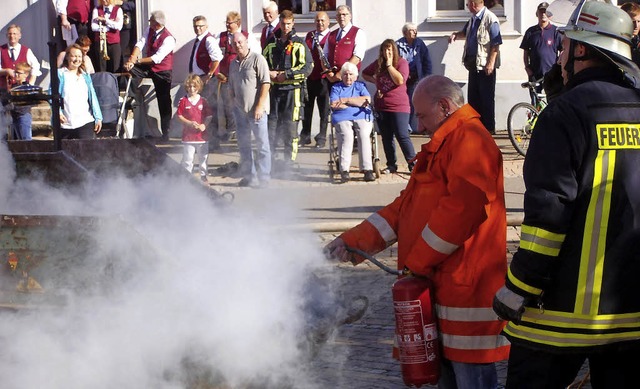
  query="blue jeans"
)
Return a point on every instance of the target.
[
  {"x": 395, "y": 124},
  {"x": 247, "y": 125},
  {"x": 459, "y": 375},
  {"x": 21, "y": 125}
]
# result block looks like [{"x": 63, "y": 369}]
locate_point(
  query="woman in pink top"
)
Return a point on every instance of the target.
[{"x": 389, "y": 73}]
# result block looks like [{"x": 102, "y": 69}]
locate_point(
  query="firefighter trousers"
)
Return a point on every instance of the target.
[
  {"x": 613, "y": 368},
  {"x": 286, "y": 108}
]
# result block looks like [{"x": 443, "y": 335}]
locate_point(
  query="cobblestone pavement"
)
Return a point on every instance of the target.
[{"x": 359, "y": 356}]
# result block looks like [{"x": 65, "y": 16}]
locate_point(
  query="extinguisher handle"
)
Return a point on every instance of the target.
[{"x": 376, "y": 262}]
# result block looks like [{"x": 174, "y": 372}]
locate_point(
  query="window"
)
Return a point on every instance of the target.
[
  {"x": 452, "y": 7},
  {"x": 306, "y": 6}
]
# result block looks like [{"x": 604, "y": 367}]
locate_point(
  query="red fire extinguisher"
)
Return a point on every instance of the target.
[{"x": 416, "y": 332}]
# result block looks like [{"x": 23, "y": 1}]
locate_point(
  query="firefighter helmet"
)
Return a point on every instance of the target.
[{"x": 602, "y": 26}]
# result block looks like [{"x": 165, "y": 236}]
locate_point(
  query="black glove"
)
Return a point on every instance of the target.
[{"x": 508, "y": 305}]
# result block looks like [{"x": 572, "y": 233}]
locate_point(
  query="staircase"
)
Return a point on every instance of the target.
[{"x": 41, "y": 120}]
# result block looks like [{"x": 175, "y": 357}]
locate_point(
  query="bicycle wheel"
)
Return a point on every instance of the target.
[{"x": 520, "y": 122}]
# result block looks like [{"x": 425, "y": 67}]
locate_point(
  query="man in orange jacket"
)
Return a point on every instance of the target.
[{"x": 450, "y": 226}]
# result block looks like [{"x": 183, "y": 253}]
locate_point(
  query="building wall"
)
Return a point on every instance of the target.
[{"x": 380, "y": 19}]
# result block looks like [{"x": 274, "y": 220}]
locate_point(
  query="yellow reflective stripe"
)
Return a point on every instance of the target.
[
  {"x": 541, "y": 241},
  {"x": 465, "y": 314},
  {"x": 572, "y": 320},
  {"x": 484, "y": 342},
  {"x": 521, "y": 285},
  {"x": 296, "y": 104},
  {"x": 595, "y": 234},
  {"x": 437, "y": 243},
  {"x": 384, "y": 228},
  {"x": 563, "y": 339}
]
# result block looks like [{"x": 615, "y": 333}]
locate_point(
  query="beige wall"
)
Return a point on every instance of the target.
[{"x": 380, "y": 19}]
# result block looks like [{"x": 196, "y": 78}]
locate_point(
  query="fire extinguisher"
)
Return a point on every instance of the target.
[{"x": 416, "y": 330}]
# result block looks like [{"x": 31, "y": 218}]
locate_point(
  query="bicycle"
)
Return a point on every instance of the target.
[{"x": 523, "y": 116}]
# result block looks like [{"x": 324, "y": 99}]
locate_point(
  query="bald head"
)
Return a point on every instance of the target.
[
  {"x": 240, "y": 44},
  {"x": 435, "y": 99},
  {"x": 438, "y": 87}
]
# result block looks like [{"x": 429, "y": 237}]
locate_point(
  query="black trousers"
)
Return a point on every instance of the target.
[
  {"x": 162, "y": 84},
  {"x": 115, "y": 56},
  {"x": 283, "y": 121},
  {"x": 482, "y": 97},
  {"x": 536, "y": 369},
  {"x": 317, "y": 90}
]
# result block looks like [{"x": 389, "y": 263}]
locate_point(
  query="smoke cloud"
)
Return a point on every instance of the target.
[{"x": 148, "y": 284}]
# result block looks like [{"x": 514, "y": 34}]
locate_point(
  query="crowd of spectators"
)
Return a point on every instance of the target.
[{"x": 303, "y": 72}]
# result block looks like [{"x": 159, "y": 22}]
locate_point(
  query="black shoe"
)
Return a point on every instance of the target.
[
  {"x": 369, "y": 176},
  {"x": 248, "y": 182},
  {"x": 344, "y": 176},
  {"x": 304, "y": 140}
]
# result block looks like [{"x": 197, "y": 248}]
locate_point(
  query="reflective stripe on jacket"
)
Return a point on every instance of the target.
[
  {"x": 450, "y": 224},
  {"x": 579, "y": 256}
]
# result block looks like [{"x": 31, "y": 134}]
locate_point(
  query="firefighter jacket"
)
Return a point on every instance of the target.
[
  {"x": 450, "y": 224},
  {"x": 291, "y": 56},
  {"x": 579, "y": 256}
]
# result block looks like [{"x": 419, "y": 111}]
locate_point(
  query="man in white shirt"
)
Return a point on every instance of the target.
[
  {"x": 13, "y": 52},
  {"x": 152, "y": 57},
  {"x": 346, "y": 43}
]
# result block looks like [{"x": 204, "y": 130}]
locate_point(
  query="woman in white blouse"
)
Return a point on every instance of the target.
[{"x": 80, "y": 115}]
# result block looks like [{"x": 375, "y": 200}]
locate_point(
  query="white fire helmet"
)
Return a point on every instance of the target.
[{"x": 602, "y": 26}]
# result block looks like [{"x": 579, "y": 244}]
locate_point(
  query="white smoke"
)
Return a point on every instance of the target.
[{"x": 159, "y": 289}]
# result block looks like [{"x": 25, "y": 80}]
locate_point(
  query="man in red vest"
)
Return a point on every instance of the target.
[
  {"x": 317, "y": 84},
  {"x": 74, "y": 13},
  {"x": 204, "y": 60},
  {"x": 270, "y": 13},
  {"x": 13, "y": 52},
  {"x": 156, "y": 63},
  {"x": 346, "y": 43},
  {"x": 15, "y": 61},
  {"x": 108, "y": 18},
  {"x": 226, "y": 121}
]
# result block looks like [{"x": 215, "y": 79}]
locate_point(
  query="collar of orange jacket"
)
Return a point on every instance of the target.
[{"x": 463, "y": 114}]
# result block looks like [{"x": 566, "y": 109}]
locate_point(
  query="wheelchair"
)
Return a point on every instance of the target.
[{"x": 334, "y": 155}]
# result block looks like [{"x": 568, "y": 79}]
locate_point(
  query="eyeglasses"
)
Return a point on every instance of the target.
[
  {"x": 19, "y": 73},
  {"x": 343, "y": 15},
  {"x": 231, "y": 22},
  {"x": 199, "y": 26}
]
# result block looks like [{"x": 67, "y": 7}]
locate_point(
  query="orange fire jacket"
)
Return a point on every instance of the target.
[{"x": 450, "y": 225}]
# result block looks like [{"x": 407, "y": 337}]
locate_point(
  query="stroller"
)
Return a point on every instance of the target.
[{"x": 112, "y": 104}]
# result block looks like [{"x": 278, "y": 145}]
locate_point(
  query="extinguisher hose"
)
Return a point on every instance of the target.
[{"x": 375, "y": 261}]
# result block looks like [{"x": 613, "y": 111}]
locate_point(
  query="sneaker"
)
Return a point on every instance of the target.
[
  {"x": 344, "y": 176},
  {"x": 204, "y": 179},
  {"x": 248, "y": 182},
  {"x": 320, "y": 142},
  {"x": 389, "y": 170},
  {"x": 369, "y": 176}
]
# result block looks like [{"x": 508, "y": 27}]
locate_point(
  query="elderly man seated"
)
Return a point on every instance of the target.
[{"x": 351, "y": 111}]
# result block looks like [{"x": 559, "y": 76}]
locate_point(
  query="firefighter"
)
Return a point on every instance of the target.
[
  {"x": 571, "y": 293},
  {"x": 450, "y": 225},
  {"x": 290, "y": 63}
]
